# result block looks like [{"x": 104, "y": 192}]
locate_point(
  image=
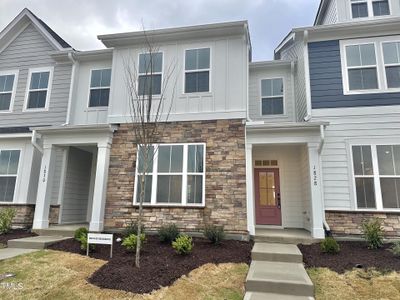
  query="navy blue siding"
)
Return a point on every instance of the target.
[{"x": 326, "y": 81}]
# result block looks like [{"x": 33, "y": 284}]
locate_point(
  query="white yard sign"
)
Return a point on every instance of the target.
[{"x": 99, "y": 239}]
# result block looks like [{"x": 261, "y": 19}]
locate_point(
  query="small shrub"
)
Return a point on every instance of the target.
[
  {"x": 79, "y": 232},
  {"x": 373, "y": 233},
  {"x": 214, "y": 233},
  {"x": 168, "y": 233},
  {"x": 132, "y": 228},
  {"x": 83, "y": 240},
  {"x": 395, "y": 249},
  {"x": 130, "y": 241},
  {"x": 329, "y": 245},
  {"x": 183, "y": 244},
  {"x": 6, "y": 217}
]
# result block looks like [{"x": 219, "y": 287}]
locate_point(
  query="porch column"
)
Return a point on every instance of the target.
[
  {"x": 100, "y": 187},
  {"x": 317, "y": 211},
  {"x": 41, "y": 217},
  {"x": 249, "y": 190}
]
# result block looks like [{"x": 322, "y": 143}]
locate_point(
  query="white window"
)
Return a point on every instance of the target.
[
  {"x": 175, "y": 175},
  {"x": 38, "y": 89},
  {"x": 369, "y": 8},
  {"x": 9, "y": 160},
  {"x": 371, "y": 65},
  {"x": 99, "y": 88},
  {"x": 8, "y": 84},
  {"x": 150, "y": 73},
  {"x": 197, "y": 70},
  {"x": 272, "y": 96},
  {"x": 376, "y": 171}
]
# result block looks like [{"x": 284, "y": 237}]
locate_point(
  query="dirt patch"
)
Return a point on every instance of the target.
[
  {"x": 352, "y": 255},
  {"x": 15, "y": 234},
  {"x": 160, "y": 265}
]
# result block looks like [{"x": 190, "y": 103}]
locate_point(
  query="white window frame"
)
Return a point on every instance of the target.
[
  {"x": 49, "y": 87},
  {"x": 389, "y": 65},
  {"x": 98, "y": 88},
  {"x": 271, "y": 97},
  {"x": 370, "y": 10},
  {"x": 155, "y": 73},
  {"x": 376, "y": 175},
  {"x": 380, "y": 65},
  {"x": 196, "y": 71},
  {"x": 14, "y": 89},
  {"x": 16, "y": 175},
  {"x": 154, "y": 173}
]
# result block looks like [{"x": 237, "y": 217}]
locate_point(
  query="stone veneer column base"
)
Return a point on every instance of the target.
[{"x": 345, "y": 223}]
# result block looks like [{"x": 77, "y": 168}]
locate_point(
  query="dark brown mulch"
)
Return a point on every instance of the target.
[
  {"x": 351, "y": 255},
  {"x": 15, "y": 234},
  {"x": 160, "y": 265}
]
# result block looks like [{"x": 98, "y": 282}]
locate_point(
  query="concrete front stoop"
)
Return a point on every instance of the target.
[
  {"x": 36, "y": 242},
  {"x": 277, "y": 273}
]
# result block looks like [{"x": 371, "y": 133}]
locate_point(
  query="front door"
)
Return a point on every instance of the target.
[{"x": 268, "y": 197}]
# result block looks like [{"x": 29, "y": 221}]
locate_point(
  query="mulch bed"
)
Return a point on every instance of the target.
[
  {"x": 15, "y": 234},
  {"x": 351, "y": 255},
  {"x": 159, "y": 265}
]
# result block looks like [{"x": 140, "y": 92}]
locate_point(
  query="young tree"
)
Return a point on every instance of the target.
[{"x": 147, "y": 85}]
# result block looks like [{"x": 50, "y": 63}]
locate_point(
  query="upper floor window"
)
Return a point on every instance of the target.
[
  {"x": 100, "y": 88},
  {"x": 197, "y": 70},
  {"x": 7, "y": 90},
  {"x": 39, "y": 83},
  {"x": 369, "y": 8},
  {"x": 150, "y": 73},
  {"x": 272, "y": 96},
  {"x": 9, "y": 160},
  {"x": 391, "y": 56}
]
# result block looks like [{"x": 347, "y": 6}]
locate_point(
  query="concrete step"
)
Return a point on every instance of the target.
[
  {"x": 279, "y": 278},
  {"x": 36, "y": 242},
  {"x": 283, "y": 236},
  {"x": 276, "y": 252},
  {"x": 271, "y": 296},
  {"x": 54, "y": 232}
]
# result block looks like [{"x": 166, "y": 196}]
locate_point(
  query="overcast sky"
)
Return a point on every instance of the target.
[{"x": 80, "y": 21}]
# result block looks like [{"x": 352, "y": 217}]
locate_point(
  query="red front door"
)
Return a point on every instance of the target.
[{"x": 268, "y": 197}]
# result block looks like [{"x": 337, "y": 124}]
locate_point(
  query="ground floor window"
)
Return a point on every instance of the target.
[
  {"x": 175, "y": 174},
  {"x": 9, "y": 160},
  {"x": 377, "y": 176}
]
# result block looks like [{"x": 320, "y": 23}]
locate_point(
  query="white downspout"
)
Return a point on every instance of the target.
[
  {"x": 71, "y": 88},
  {"x": 34, "y": 141},
  {"x": 307, "y": 76}
]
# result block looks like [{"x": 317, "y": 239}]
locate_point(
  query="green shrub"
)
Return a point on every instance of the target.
[
  {"x": 79, "y": 232},
  {"x": 373, "y": 233},
  {"x": 329, "y": 245},
  {"x": 83, "y": 240},
  {"x": 395, "y": 249},
  {"x": 183, "y": 244},
  {"x": 130, "y": 241},
  {"x": 132, "y": 228},
  {"x": 214, "y": 233},
  {"x": 168, "y": 233},
  {"x": 6, "y": 217}
]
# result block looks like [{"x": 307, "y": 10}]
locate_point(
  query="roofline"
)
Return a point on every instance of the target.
[
  {"x": 76, "y": 128},
  {"x": 269, "y": 63},
  {"x": 288, "y": 126},
  {"x": 322, "y": 5}
]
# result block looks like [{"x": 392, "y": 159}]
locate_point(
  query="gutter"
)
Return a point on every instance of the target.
[
  {"x": 34, "y": 139},
  {"x": 322, "y": 141}
]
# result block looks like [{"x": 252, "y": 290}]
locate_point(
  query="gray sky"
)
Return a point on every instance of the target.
[{"x": 80, "y": 21}]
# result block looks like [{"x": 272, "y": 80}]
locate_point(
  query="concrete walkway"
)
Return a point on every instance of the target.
[
  {"x": 12, "y": 252},
  {"x": 35, "y": 242}
]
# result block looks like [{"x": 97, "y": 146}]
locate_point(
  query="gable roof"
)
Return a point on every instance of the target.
[{"x": 321, "y": 11}]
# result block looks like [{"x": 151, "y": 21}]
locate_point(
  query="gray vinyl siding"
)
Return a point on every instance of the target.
[
  {"x": 326, "y": 81},
  {"x": 59, "y": 153},
  {"x": 330, "y": 15},
  {"x": 31, "y": 50},
  {"x": 77, "y": 185}
]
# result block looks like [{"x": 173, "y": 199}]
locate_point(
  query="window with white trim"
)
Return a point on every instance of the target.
[
  {"x": 377, "y": 176},
  {"x": 38, "y": 92},
  {"x": 369, "y": 8},
  {"x": 9, "y": 160},
  {"x": 100, "y": 82},
  {"x": 7, "y": 89},
  {"x": 272, "y": 96},
  {"x": 391, "y": 57},
  {"x": 197, "y": 70},
  {"x": 175, "y": 175},
  {"x": 150, "y": 73}
]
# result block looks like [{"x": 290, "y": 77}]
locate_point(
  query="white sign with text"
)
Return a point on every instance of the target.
[{"x": 100, "y": 239}]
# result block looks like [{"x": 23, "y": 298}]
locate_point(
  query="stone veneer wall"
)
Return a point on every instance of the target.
[
  {"x": 225, "y": 178},
  {"x": 349, "y": 223},
  {"x": 26, "y": 212}
]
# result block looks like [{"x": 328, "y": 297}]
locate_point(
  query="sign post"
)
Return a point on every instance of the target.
[{"x": 99, "y": 239}]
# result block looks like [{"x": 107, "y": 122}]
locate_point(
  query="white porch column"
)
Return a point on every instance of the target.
[
  {"x": 317, "y": 211},
  {"x": 249, "y": 190},
  {"x": 41, "y": 218},
  {"x": 100, "y": 187}
]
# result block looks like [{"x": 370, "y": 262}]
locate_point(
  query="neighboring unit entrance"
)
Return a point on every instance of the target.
[{"x": 268, "y": 197}]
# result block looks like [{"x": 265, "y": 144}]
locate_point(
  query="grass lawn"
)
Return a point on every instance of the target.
[
  {"x": 59, "y": 275},
  {"x": 354, "y": 285}
]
